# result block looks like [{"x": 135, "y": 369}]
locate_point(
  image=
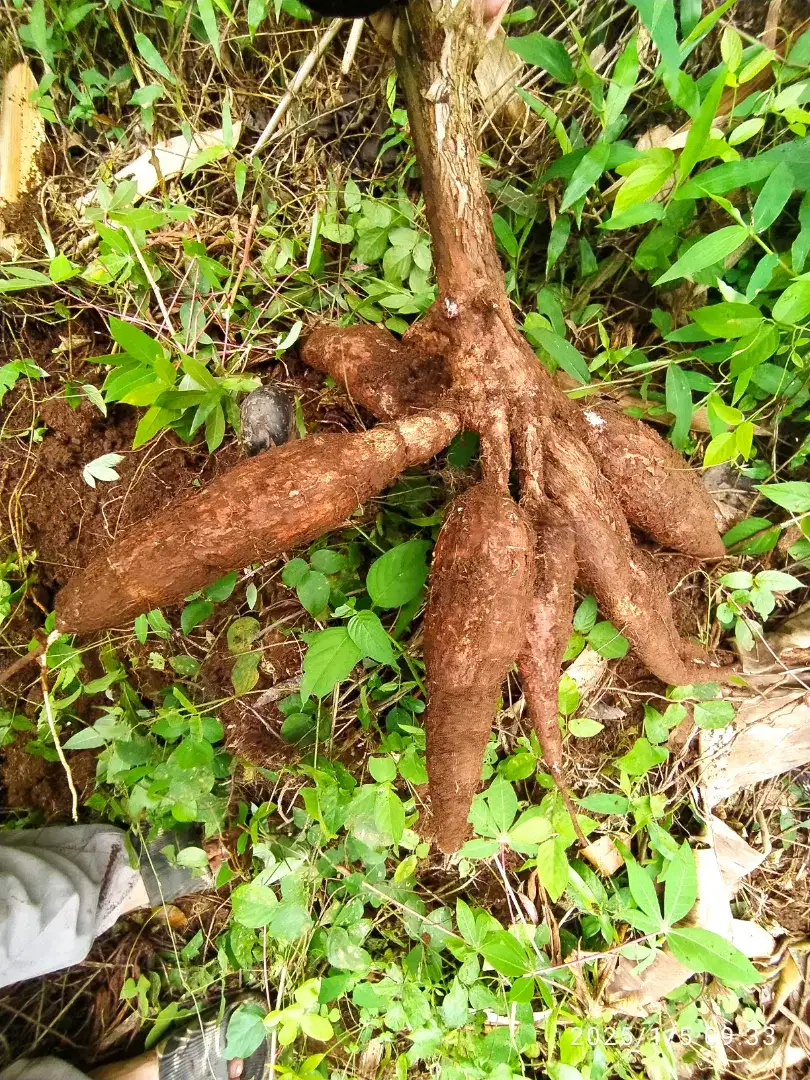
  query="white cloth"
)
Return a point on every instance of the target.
[{"x": 60, "y": 887}]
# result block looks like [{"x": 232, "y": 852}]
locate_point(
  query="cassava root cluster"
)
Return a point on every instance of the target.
[{"x": 502, "y": 582}]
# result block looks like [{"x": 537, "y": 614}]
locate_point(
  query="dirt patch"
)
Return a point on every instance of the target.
[{"x": 32, "y": 783}]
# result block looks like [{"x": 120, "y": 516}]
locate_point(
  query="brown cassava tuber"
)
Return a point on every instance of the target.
[{"x": 503, "y": 575}]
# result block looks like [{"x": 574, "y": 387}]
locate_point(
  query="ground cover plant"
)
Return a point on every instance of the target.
[{"x": 596, "y": 273}]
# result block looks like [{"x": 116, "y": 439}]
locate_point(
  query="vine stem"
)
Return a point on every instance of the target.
[{"x": 46, "y": 701}]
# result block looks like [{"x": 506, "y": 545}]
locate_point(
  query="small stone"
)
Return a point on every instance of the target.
[{"x": 267, "y": 419}]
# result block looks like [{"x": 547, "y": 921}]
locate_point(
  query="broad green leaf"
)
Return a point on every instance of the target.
[
  {"x": 723, "y": 447},
  {"x": 317, "y": 1027},
  {"x": 465, "y": 920},
  {"x": 582, "y": 727},
  {"x": 245, "y": 672},
  {"x": 389, "y": 813},
  {"x": 253, "y": 904},
  {"x": 506, "y": 954},
  {"x": 329, "y": 659},
  {"x": 585, "y": 615},
  {"x": 455, "y": 1007},
  {"x": 327, "y": 561},
  {"x": 558, "y": 238},
  {"x": 681, "y": 885},
  {"x": 801, "y": 245},
  {"x": 643, "y": 891},
  {"x": 746, "y": 130},
  {"x": 641, "y": 757},
  {"x": 792, "y": 495},
  {"x": 778, "y": 581},
  {"x": 555, "y": 125},
  {"x": 773, "y": 198},
  {"x": 194, "y": 613},
  {"x": 294, "y": 572},
  {"x": 679, "y": 403},
  {"x": 531, "y": 827},
  {"x": 86, "y": 739},
  {"x": 603, "y": 803},
  {"x": 713, "y": 714},
  {"x": 246, "y": 1031},
  {"x": 545, "y": 52},
  {"x": 371, "y": 637},
  {"x": 552, "y": 867},
  {"x": 383, "y": 769},
  {"x": 586, "y": 174},
  {"x": 703, "y": 950},
  {"x": 728, "y": 319},
  {"x": 564, "y": 353},
  {"x": 135, "y": 342},
  {"x": 607, "y": 641},
  {"x": 706, "y": 252},
  {"x": 345, "y": 954},
  {"x": 242, "y": 633},
  {"x": 506, "y": 238},
  {"x": 313, "y": 591},
  {"x": 397, "y": 576},
  {"x": 793, "y": 305},
  {"x": 502, "y": 803},
  {"x": 754, "y": 349}
]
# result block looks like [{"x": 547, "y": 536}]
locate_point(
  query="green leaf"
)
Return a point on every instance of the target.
[
  {"x": 317, "y": 1027},
  {"x": 641, "y": 757},
  {"x": 327, "y": 561},
  {"x": 703, "y": 950},
  {"x": 343, "y": 953},
  {"x": 242, "y": 633},
  {"x": 567, "y": 695},
  {"x": 465, "y": 921},
  {"x": 313, "y": 591},
  {"x": 713, "y": 714},
  {"x": 607, "y": 641},
  {"x": 546, "y": 53},
  {"x": 209, "y": 21},
  {"x": 253, "y": 904},
  {"x": 383, "y": 769},
  {"x": 246, "y": 1031},
  {"x": 135, "y": 342},
  {"x": 622, "y": 82},
  {"x": 700, "y": 128},
  {"x": 564, "y": 353},
  {"x": 153, "y": 57},
  {"x": 679, "y": 403},
  {"x": 294, "y": 572},
  {"x": 532, "y": 827},
  {"x": 329, "y": 659},
  {"x": 659, "y": 18},
  {"x": 723, "y": 447},
  {"x": 86, "y": 739},
  {"x": 706, "y": 252},
  {"x": 681, "y": 885},
  {"x": 728, "y": 319},
  {"x": 506, "y": 238},
  {"x": 245, "y": 672},
  {"x": 558, "y": 238},
  {"x": 792, "y": 495},
  {"x": 502, "y": 803},
  {"x": 455, "y": 1007},
  {"x": 194, "y": 613},
  {"x": 371, "y": 637},
  {"x": 398, "y": 576},
  {"x": 647, "y": 175},
  {"x": 774, "y": 196},
  {"x": 585, "y": 175},
  {"x": 582, "y": 727},
  {"x": 389, "y": 813},
  {"x": 777, "y": 581},
  {"x": 793, "y": 305},
  {"x": 506, "y": 954},
  {"x": 585, "y": 615},
  {"x": 643, "y": 891},
  {"x": 602, "y": 803},
  {"x": 552, "y": 867}
]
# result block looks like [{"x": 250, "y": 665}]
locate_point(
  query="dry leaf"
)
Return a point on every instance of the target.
[
  {"x": 496, "y": 74},
  {"x": 768, "y": 737},
  {"x": 166, "y": 160},
  {"x": 735, "y": 857},
  {"x": 603, "y": 855}
]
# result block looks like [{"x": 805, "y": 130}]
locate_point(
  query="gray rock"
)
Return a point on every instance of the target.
[{"x": 268, "y": 415}]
